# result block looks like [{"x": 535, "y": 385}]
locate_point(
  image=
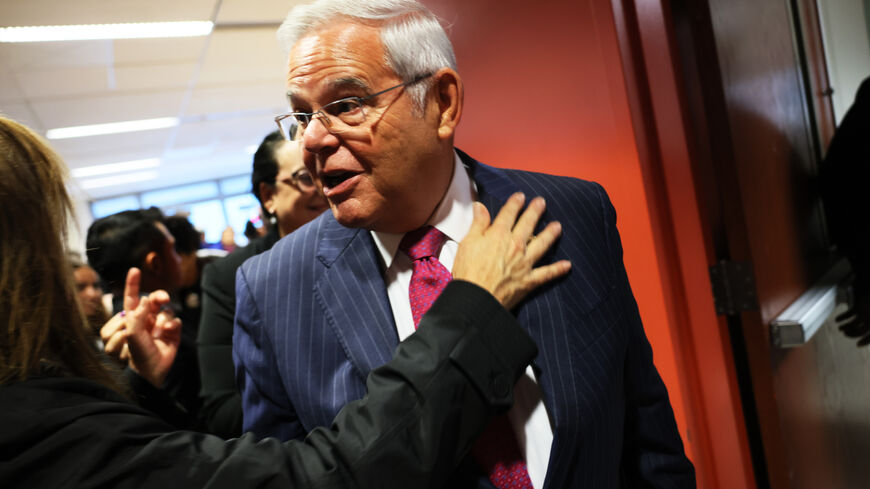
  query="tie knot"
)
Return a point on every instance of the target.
[{"x": 423, "y": 242}]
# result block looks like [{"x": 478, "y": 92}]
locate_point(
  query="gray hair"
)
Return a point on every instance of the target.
[{"x": 414, "y": 40}]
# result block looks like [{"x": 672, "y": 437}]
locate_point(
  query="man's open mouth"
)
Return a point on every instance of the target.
[{"x": 335, "y": 179}]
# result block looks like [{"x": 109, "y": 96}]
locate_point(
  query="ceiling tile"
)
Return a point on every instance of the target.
[
  {"x": 10, "y": 91},
  {"x": 63, "y": 82},
  {"x": 239, "y": 132},
  {"x": 136, "y": 51},
  {"x": 242, "y": 55},
  {"x": 42, "y": 55},
  {"x": 154, "y": 77},
  {"x": 228, "y": 86},
  {"x": 111, "y": 108},
  {"x": 244, "y": 11},
  {"x": 63, "y": 12},
  {"x": 268, "y": 97},
  {"x": 112, "y": 148},
  {"x": 22, "y": 113}
]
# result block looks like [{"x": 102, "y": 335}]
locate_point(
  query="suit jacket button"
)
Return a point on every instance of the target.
[{"x": 500, "y": 386}]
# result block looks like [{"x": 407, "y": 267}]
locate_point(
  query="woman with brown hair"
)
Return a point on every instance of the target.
[
  {"x": 66, "y": 420},
  {"x": 90, "y": 294}
]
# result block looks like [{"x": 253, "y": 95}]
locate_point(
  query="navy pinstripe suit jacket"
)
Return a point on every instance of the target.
[{"x": 313, "y": 318}]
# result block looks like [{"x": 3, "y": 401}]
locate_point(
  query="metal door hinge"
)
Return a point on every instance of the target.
[{"x": 733, "y": 287}]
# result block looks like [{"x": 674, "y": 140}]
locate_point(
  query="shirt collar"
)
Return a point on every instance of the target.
[{"x": 452, "y": 217}]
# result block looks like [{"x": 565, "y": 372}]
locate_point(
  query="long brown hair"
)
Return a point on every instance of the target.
[{"x": 40, "y": 318}]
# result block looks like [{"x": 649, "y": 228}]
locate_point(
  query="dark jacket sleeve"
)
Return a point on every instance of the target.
[
  {"x": 159, "y": 402},
  {"x": 423, "y": 410},
  {"x": 221, "y": 411},
  {"x": 653, "y": 452}
]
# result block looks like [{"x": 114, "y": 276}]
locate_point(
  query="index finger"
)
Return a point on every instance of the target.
[
  {"x": 525, "y": 226},
  {"x": 131, "y": 289},
  {"x": 507, "y": 215}
]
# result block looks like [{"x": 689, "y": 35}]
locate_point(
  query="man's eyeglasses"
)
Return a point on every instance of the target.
[{"x": 337, "y": 116}]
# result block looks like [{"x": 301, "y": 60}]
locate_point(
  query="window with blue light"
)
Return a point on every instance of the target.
[
  {"x": 241, "y": 209},
  {"x": 107, "y": 207},
  {"x": 236, "y": 185},
  {"x": 177, "y": 195},
  {"x": 211, "y": 205}
]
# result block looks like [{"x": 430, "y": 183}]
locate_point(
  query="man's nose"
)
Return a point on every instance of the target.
[{"x": 317, "y": 137}]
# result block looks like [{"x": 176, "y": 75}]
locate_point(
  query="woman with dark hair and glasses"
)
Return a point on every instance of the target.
[
  {"x": 288, "y": 199},
  {"x": 67, "y": 421}
]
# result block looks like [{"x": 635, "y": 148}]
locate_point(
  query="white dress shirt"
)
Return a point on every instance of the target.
[{"x": 453, "y": 217}]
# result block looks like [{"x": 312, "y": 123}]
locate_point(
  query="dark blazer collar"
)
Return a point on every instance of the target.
[{"x": 493, "y": 186}]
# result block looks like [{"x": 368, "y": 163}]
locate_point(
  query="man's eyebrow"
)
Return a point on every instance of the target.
[
  {"x": 336, "y": 85},
  {"x": 348, "y": 82}
]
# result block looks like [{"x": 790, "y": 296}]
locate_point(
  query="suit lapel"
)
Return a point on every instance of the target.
[
  {"x": 538, "y": 314},
  {"x": 353, "y": 296}
]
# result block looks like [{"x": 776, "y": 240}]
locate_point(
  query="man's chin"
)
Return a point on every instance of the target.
[{"x": 347, "y": 215}]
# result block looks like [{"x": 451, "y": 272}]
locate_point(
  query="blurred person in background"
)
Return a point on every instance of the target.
[
  {"x": 90, "y": 294},
  {"x": 228, "y": 239},
  {"x": 188, "y": 242},
  {"x": 140, "y": 239},
  {"x": 288, "y": 198},
  {"x": 134, "y": 238},
  {"x": 67, "y": 422},
  {"x": 255, "y": 228}
]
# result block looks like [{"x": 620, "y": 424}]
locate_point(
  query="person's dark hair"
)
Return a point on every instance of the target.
[
  {"x": 266, "y": 165},
  {"x": 121, "y": 241},
  {"x": 42, "y": 321},
  {"x": 187, "y": 238}
]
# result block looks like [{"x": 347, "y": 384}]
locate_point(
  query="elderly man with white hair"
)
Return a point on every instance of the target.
[{"x": 375, "y": 92}]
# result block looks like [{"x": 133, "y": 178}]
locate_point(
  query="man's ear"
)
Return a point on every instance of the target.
[
  {"x": 449, "y": 94},
  {"x": 152, "y": 262},
  {"x": 267, "y": 196}
]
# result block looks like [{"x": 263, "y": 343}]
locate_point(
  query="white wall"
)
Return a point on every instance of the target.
[{"x": 847, "y": 49}]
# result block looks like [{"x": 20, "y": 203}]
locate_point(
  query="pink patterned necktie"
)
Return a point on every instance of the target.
[
  {"x": 428, "y": 277},
  {"x": 496, "y": 450}
]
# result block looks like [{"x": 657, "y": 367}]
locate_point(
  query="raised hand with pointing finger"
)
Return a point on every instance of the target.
[{"x": 145, "y": 335}]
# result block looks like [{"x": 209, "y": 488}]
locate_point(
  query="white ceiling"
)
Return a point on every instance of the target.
[{"x": 225, "y": 87}]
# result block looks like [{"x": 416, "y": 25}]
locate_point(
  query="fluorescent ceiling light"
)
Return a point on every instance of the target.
[
  {"x": 124, "y": 166},
  {"x": 138, "y": 30},
  {"x": 111, "y": 128},
  {"x": 118, "y": 179}
]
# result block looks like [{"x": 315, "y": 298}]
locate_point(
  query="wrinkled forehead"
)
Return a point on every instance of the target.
[{"x": 341, "y": 55}]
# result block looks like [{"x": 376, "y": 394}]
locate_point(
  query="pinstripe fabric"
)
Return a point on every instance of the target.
[{"x": 313, "y": 318}]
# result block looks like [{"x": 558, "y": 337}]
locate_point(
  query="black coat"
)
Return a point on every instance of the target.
[
  {"x": 221, "y": 410},
  {"x": 423, "y": 410},
  {"x": 844, "y": 177}
]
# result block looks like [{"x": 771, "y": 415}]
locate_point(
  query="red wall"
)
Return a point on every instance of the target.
[{"x": 545, "y": 92}]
